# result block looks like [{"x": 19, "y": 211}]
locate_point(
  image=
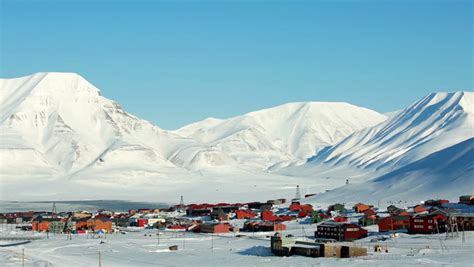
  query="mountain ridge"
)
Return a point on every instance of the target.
[
  {"x": 439, "y": 119},
  {"x": 58, "y": 126}
]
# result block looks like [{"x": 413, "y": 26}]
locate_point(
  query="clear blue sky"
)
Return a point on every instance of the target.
[{"x": 175, "y": 62}]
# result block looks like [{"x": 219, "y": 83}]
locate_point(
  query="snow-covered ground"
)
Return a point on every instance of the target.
[
  {"x": 208, "y": 188},
  {"x": 443, "y": 174},
  {"x": 145, "y": 249}
]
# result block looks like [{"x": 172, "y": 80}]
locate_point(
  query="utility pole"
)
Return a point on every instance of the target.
[
  {"x": 184, "y": 240},
  {"x": 158, "y": 234},
  {"x": 100, "y": 259},
  {"x": 212, "y": 242},
  {"x": 181, "y": 204}
]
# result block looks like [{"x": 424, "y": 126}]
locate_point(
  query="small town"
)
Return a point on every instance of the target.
[{"x": 286, "y": 227}]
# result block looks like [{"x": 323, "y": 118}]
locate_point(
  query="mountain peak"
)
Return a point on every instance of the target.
[
  {"x": 433, "y": 123},
  {"x": 47, "y": 82},
  {"x": 297, "y": 129}
]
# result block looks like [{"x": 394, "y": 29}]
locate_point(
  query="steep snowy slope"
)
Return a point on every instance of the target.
[
  {"x": 60, "y": 122},
  {"x": 447, "y": 173},
  {"x": 437, "y": 121},
  {"x": 293, "y": 131}
]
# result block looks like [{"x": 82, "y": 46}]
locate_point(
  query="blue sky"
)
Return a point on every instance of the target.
[{"x": 175, "y": 62}]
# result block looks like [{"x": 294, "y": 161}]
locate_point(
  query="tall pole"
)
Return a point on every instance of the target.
[
  {"x": 463, "y": 237},
  {"x": 54, "y": 211},
  {"x": 23, "y": 257},
  {"x": 100, "y": 259},
  {"x": 184, "y": 240}
]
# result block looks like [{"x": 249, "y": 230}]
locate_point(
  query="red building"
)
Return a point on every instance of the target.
[
  {"x": 340, "y": 231},
  {"x": 141, "y": 222},
  {"x": 370, "y": 212},
  {"x": 361, "y": 207},
  {"x": 427, "y": 224},
  {"x": 295, "y": 207},
  {"x": 306, "y": 208},
  {"x": 218, "y": 228},
  {"x": 340, "y": 219},
  {"x": 244, "y": 214},
  {"x": 268, "y": 216},
  {"x": 393, "y": 223}
]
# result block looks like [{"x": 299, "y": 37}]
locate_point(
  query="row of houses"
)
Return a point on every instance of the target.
[
  {"x": 58, "y": 225},
  {"x": 427, "y": 218},
  {"x": 339, "y": 222}
]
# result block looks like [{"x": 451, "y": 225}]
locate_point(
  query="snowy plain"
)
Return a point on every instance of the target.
[{"x": 145, "y": 249}]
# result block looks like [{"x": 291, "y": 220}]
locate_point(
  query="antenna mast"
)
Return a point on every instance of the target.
[
  {"x": 54, "y": 210},
  {"x": 298, "y": 193}
]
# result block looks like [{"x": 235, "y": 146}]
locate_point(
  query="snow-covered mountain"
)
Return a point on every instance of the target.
[
  {"x": 433, "y": 123},
  {"x": 57, "y": 127},
  {"x": 59, "y": 124},
  {"x": 281, "y": 134},
  {"x": 447, "y": 173}
]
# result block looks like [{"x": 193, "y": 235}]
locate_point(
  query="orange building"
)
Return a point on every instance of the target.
[
  {"x": 244, "y": 214},
  {"x": 105, "y": 225},
  {"x": 95, "y": 225},
  {"x": 215, "y": 228},
  {"x": 40, "y": 226},
  {"x": 420, "y": 209},
  {"x": 361, "y": 207}
]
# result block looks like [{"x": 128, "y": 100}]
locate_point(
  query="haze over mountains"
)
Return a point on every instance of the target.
[{"x": 58, "y": 126}]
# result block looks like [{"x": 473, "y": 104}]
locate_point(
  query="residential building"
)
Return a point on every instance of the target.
[{"x": 340, "y": 231}]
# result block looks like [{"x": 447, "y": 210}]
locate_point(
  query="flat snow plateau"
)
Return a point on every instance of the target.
[{"x": 136, "y": 249}]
